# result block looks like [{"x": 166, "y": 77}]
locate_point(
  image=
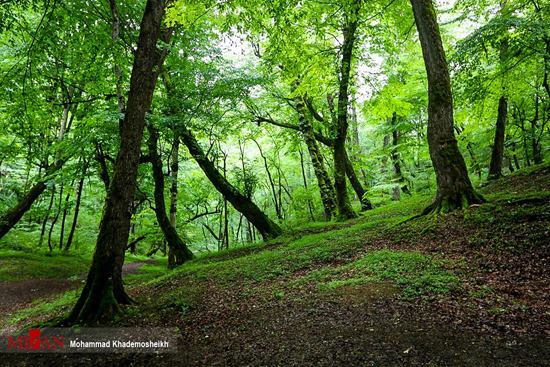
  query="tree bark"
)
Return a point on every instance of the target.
[
  {"x": 77, "y": 207},
  {"x": 495, "y": 168},
  {"x": 345, "y": 210},
  {"x": 103, "y": 290},
  {"x": 174, "y": 170},
  {"x": 12, "y": 216},
  {"x": 357, "y": 187},
  {"x": 244, "y": 205},
  {"x": 326, "y": 188},
  {"x": 454, "y": 189},
  {"x": 176, "y": 246},
  {"x": 45, "y": 221}
]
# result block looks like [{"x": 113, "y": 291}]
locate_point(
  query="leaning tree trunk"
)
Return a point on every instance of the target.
[
  {"x": 241, "y": 203},
  {"x": 101, "y": 294},
  {"x": 495, "y": 169},
  {"x": 454, "y": 189},
  {"x": 345, "y": 210},
  {"x": 176, "y": 246},
  {"x": 326, "y": 189},
  {"x": 357, "y": 187},
  {"x": 10, "y": 219},
  {"x": 77, "y": 207}
]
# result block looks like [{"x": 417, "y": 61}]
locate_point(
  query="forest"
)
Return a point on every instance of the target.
[{"x": 283, "y": 182}]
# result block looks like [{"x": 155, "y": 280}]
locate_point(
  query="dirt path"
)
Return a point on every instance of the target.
[{"x": 20, "y": 294}]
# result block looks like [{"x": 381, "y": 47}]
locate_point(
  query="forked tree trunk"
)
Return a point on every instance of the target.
[
  {"x": 495, "y": 168},
  {"x": 103, "y": 290},
  {"x": 176, "y": 246},
  {"x": 454, "y": 189},
  {"x": 242, "y": 204},
  {"x": 345, "y": 210}
]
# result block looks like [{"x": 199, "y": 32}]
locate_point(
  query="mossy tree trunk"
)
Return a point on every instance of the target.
[
  {"x": 241, "y": 203},
  {"x": 495, "y": 168},
  {"x": 356, "y": 185},
  {"x": 103, "y": 290},
  {"x": 454, "y": 189},
  {"x": 176, "y": 246},
  {"x": 345, "y": 210},
  {"x": 326, "y": 188}
]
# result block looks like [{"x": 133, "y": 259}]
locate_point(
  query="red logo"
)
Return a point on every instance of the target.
[{"x": 34, "y": 341}]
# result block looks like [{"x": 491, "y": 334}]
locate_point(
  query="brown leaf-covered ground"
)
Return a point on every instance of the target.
[{"x": 231, "y": 313}]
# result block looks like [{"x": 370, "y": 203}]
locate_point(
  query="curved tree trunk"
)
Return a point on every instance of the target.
[
  {"x": 77, "y": 207},
  {"x": 244, "y": 205},
  {"x": 345, "y": 210},
  {"x": 357, "y": 187},
  {"x": 103, "y": 289},
  {"x": 176, "y": 246},
  {"x": 326, "y": 189},
  {"x": 454, "y": 189},
  {"x": 495, "y": 168},
  {"x": 12, "y": 216}
]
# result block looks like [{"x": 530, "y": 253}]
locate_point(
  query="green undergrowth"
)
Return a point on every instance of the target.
[
  {"x": 19, "y": 265},
  {"x": 413, "y": 272},
  {"x": 42, "y": 307},
  {"x": 22, "y": 265},
  {"x": 312, "y": 247}
]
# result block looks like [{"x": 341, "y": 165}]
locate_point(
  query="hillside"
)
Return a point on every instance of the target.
[{"x": 465, "y": 289}]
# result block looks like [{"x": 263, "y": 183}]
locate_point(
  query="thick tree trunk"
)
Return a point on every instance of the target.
[
  {"x": 345, "y": 210},
  {"x": 103, "y": 291},
  {"x": 454, "y": 189},
  {"x": 244, "y": 205},
  {"x": 176, "y": 246},
  {"x": 12, "y": 216},
  {"x": 326, "y": 189},
  {"x": 495, "y": 168}
]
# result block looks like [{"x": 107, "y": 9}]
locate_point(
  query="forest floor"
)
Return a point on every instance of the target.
[
  {"x": 21, "y": 294},
  {"x": 465, "y": 289}
]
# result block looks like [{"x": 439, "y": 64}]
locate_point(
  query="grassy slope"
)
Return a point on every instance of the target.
[{"x": 486, "y": 268}]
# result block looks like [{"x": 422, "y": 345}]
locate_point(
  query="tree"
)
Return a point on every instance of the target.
[
  {"x": 454, "y": 189},
  {"x": 102, "y": 292},
  {"x": 177, "y": 246}
]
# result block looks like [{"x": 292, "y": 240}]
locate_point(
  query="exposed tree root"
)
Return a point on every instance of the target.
[{"x": 446, "y": 204}]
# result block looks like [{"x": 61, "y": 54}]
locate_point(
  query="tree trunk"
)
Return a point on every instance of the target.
[
  {"x": 495, "y": 168},
  {"x": 357, "y": 187},
  {"x": 77, "y": 207},
  {"x": 454, "y": 189},
  {"x": 244, "y": 205},
  {"x": 276, "y": 202},
  {"x": 176, "y": 246},
  {"x": 12, "y": 216},
  {"x": 174, "y": 170},
  {"x": 45, "y": 222},
  {"x": 305, "y": 184},
  {"x": 103, "y": 290},
  {"x": 345, "y": 210},
  {"x": 326, "y": 189}
]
